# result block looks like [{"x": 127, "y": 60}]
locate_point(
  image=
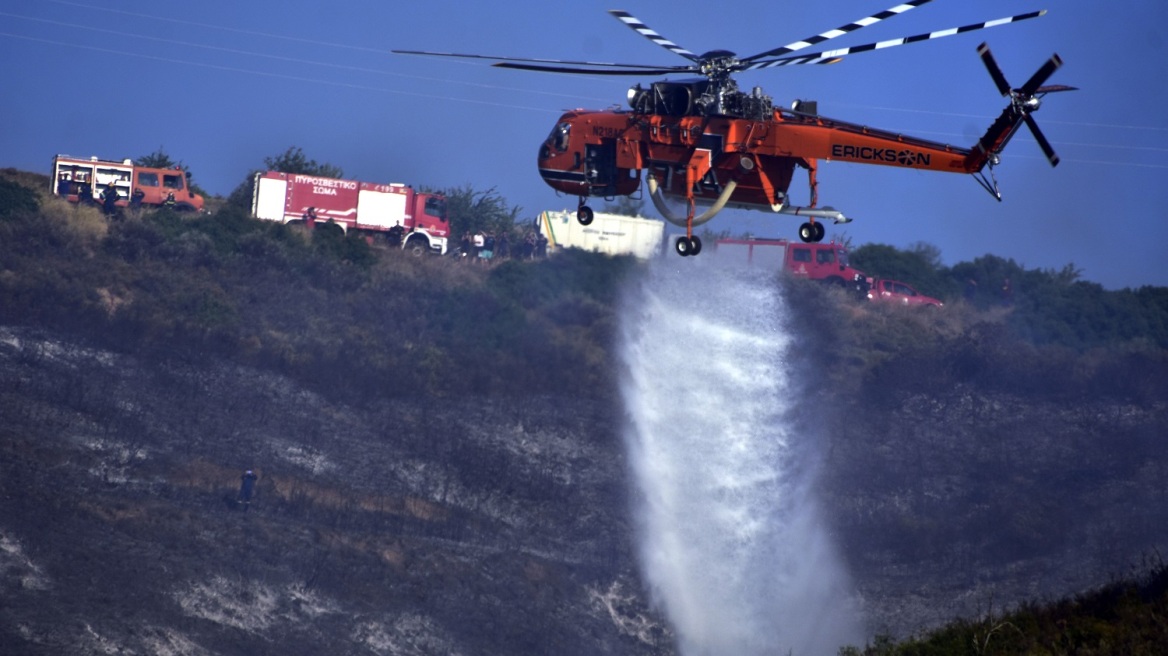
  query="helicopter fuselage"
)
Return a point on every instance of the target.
[
  {"x": 704, "y": 141},
  {"x": 692, "y": 155}
]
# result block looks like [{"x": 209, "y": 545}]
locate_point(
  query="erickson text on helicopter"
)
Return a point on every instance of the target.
[{"x": 866, "y": 153}]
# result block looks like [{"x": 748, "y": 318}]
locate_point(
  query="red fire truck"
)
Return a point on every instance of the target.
[
  {"x": 816, "y": 261},
  {"x": 415, "y": 221},
  {"x": 79, "y": 179}
]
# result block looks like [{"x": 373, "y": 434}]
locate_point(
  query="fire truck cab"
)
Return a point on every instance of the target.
[{"x": 827, "y": 262}]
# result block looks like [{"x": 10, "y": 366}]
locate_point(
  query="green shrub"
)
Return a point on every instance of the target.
[{"x": 16, "y": 198}]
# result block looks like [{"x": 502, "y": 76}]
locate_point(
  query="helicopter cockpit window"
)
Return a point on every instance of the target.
[{"x": 558, "y": 139}]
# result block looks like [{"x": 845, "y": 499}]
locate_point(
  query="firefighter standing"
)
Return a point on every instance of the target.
[
  {"x": 863, "y": 286},
  {"x": 247, "y": 488},
  {"x": 109, "y": 199}
]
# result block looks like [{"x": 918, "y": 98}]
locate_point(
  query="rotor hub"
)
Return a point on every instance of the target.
[
  {"x": 1024, "y": 103},
  {"x": 717, "y": 65}
]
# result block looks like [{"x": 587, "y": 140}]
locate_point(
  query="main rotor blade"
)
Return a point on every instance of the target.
[
  {"x": 839, "y": 31},
  {"x": 1036, "y": 80},
  {"x": 648, "y": 32},
  {"x": 596, "y": 71},
  {"x": 1052, "y": 88},
  {"x": 539, "y": 61},
  {"x": 832, "y": 56},
  {"x": 995, "y": 71},
  {"x": 1042, "y": 142}
]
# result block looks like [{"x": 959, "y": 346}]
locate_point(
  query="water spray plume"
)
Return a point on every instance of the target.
[{"x": 731, "y": 545}]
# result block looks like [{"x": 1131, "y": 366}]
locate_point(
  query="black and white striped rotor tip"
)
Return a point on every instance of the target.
[
  {"x": 651, "y": 34},
  {"x": 833, "y": 56}
]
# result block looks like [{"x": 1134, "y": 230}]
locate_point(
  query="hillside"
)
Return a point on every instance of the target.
[{"x": 441, "y": 469}]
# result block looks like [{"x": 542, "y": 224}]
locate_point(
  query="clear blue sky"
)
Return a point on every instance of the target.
[{"x": 221, "y": 85}]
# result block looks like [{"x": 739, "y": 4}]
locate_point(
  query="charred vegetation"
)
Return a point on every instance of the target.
[{"x": 438, "y": 449}]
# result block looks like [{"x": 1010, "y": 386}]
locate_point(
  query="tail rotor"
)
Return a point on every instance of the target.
[{"x": 1024, "y": 101}]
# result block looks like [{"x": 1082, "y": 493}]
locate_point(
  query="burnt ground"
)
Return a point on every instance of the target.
[{"x": 496, "y": 524}]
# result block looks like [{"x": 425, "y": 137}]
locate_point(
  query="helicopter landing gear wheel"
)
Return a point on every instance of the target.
[
  {"x": 688, "y": 246},
  {"x": 812, "y": 232},
  {"x": 584, "y": 215},
  {"x": 807, "y": 233}
]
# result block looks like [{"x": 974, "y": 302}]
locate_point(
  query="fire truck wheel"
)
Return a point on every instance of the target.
[
  {"x": 584, "y": 215},
  {"x": 417, "y": 247}
]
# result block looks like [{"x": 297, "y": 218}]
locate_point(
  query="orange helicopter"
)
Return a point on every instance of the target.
[{"x": 705, "y": 142}]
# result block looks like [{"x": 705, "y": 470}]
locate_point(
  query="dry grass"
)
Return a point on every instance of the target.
[
  {"x": 322, "y": 495},
  {"x": 210, "y": 478},
  {"x": 84, "y": 224},
  {"x": 203, "y": 476},
  {"x": 442, "y": 272}
]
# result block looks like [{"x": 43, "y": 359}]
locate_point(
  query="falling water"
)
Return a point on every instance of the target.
[{"x": 730, "y": 543}]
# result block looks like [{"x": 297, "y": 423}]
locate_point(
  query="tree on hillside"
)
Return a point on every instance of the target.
[
  {"x": 471, "y": 210},
  {"x": 983, "y": 279},
  {"x": 160, "y": 159},
  {"x": 292, "y": 160},
  {"x": 920, "y": 266},
  {"x": 927, "y": 253}
]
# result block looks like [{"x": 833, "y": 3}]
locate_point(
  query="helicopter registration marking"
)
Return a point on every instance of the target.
[{"x": 869, "y": 154}]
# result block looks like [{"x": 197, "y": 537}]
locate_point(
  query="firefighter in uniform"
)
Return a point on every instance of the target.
[{"x": 109, "y": 199}]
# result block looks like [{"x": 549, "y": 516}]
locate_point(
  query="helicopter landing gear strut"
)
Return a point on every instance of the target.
[{"x": 690, "y": 244}]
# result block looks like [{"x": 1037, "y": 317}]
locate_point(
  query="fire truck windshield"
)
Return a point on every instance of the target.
[{"x": 436, "y": 207}]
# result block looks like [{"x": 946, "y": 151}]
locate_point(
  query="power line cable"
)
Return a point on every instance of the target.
[
  {"x": 382, "y": 51},
  {"x": 283, "y": 58},
  {"x": 187, "y": 21},
  {"x": 283, "y": 76},
  {"x": 235, "y": 51}
]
